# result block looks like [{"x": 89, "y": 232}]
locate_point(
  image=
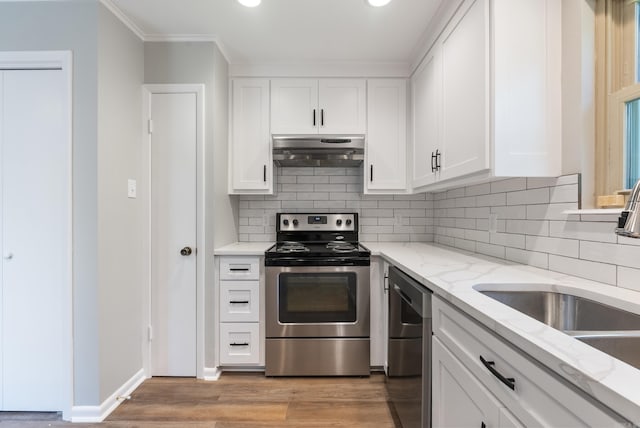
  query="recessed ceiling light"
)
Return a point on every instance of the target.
[
  {"x": 378, "y": 3},
  {"x": 250, "y": 3}
]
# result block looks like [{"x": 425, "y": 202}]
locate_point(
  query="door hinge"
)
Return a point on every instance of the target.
[
  {"x": 150, "y": 126},
  {"x": 150, "y": 333}
]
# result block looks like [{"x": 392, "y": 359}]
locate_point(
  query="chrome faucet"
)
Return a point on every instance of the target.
[{"x": 629, "y": 220}]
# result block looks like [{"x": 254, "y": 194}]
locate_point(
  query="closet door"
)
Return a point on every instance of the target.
[{"x": 34, "y": 215}]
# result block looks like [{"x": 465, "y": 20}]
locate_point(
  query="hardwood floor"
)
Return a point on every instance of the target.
[{"x": 242, "y": 400}]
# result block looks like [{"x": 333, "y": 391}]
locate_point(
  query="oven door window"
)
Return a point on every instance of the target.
[{"x": 317, "y": 297}]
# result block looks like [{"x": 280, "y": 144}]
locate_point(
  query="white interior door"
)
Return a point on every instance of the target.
[
  {"x": 34, "y": 214},
  {"x": 173, "y": 228}
]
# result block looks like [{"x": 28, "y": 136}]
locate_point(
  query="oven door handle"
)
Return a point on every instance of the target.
[{"x": 402, "y": 294}]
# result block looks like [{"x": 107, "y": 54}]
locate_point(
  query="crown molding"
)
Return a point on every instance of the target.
[
  {"x": 124, "y": 18},
  {"x": 321, "y": 69},
  {"x": 189, "y": 38}
]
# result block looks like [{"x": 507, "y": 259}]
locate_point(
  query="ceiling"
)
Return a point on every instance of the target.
[{"x": 289, "y": 31}]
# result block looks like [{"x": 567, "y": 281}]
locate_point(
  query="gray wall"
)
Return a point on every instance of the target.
[
  {"x": 202, "y": 63},
  {"x": 72, "y": 26},
  {"x": 120, "y": 227}
]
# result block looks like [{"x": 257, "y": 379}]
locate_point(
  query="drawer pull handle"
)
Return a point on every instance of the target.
[
  {"x": 239, "y": 302},
  {"x": 240, "y": 344},
  {"x": 509, "y": 381},
  {"x": 239, "y": 269}
]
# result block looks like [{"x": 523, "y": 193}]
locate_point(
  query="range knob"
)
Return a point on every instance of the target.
[
  {"x": 295, "y": 222},
  {"x": 285, "y": 222},
  {"x": 339, "y": 222},
  {"x": 348, "y": 222}
]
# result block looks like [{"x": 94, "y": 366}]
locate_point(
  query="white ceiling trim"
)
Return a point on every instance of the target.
[
  {"x": 124, "y": 18},
  {"x": 326, "y": 69},
  {"x": 189, "y": 38}
]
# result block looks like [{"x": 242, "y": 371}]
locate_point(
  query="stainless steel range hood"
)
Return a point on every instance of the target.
[{"x": 318, "y": 150}]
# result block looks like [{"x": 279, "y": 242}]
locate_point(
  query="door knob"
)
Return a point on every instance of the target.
[
  {"x": 186, "y": 251},
  {"x": 9, "y": 256}
]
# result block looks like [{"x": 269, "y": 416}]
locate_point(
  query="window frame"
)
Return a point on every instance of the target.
[{"x": 616, "y": 84}]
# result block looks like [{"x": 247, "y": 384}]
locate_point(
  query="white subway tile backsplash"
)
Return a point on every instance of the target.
[
  {"x": 622, "y": 255},
  {"x": 532, "y": 258},
  {"x": 584, "y": 269},
  {"x": 533, "y": 196},
  {"x": 509, "y": 185},
  {"x": 531, "y": 226},
  {"x": 550, "y": 211},
  {"x": 628, "y": 278},
  {"x": 568, "y": 193},
  {"x": 585, "y": 231},
  {"x": 559, "y": 246}
]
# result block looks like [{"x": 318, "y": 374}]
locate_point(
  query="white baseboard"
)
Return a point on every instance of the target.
[
  {"x": 212, "y": 373},
  {"x": 99, "y": 413}
]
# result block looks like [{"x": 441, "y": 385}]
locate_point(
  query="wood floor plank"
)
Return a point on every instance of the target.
[{"x": 242, "y": 400}]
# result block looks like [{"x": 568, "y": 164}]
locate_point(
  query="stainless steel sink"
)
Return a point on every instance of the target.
[
  {"x": 624, "y": 346},
  {"x": 611, "y": 330},
  {"x": 567, "y": 312}
]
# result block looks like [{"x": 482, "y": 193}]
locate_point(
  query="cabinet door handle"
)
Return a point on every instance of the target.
[
  {"x": 314, "y": 118},
  {"x": 371, "y": 173},
  {"x": 264, "y": 173},
  {"x": 483, "y": 425},
  {"x": 509, "y": 381},
  {"x": 238, "y": 302},
  {"x": 239, "y": 344},
  {"x": 321, "y": 117},
  {"x": 438, "y": 160},
  {"x": 433, "y": 166}
]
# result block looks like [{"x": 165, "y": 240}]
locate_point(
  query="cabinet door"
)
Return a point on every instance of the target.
[
  {"x": 342, "y": 106},
  {"x": 465, "y": 85},
  {"x": 251, "y": 167},
  {"x": 426, "y": 88},
  {"x": 459, "y": 399},
  {"x": 387, "y": 135},
  {"x": 294, "y": 106}
]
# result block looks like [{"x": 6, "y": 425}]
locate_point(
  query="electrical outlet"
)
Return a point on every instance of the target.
[
  {"x": 265, "y": 219},
  {"x": 493, "y": 223},
  {"x": 399, "y": 219}
]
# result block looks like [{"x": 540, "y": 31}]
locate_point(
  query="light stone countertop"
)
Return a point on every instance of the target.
[
  {"x": 452, "y": 274},
  {"x": 243, "y": 249}
]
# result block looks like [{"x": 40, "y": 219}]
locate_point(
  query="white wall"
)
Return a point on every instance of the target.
[
  {"x": 120, "y": 219},
  {"x": 72, "y": 26},
  {"x": 202, "y": 63}
]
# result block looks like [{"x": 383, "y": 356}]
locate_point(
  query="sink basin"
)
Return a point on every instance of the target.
[
  {"x": 567, "y": 312},
  {"x": 625, "y": 347},
  {"x": 611, "y": 330}
]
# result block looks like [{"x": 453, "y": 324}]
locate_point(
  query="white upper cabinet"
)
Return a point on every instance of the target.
[
  {"x": 250, "y": 157},
  {"x": 386, "y": 161},
  {"x": 324, "y": 106},
  {"x": 465, "y": 86},
  {"x": 486, "y": 97},
  {"x": 427, "y": 117}
]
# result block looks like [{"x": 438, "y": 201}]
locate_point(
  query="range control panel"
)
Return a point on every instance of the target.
[{"x": 322, "y": 222}]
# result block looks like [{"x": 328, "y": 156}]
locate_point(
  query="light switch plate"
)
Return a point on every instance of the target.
[{"x": 131, "y": 188}]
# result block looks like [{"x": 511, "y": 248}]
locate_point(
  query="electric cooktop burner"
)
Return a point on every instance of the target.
[{"x": 316, "y": 239}]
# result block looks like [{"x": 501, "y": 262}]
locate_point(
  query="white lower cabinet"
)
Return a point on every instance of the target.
[
  {"x": 239, "y": 343},
  {"x": 454, "y": 387},
  {"x": 474, "y": 372},
  {"x": 239, "y": 305}
]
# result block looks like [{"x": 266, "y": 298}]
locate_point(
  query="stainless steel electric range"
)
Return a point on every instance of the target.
[{"x": 317, "y": 297}]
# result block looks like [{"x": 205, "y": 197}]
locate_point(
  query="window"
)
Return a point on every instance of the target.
[{"x": 618, "y": 95}]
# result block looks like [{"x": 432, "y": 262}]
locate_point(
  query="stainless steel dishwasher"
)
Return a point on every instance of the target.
[{"x": 409, "y": 350}]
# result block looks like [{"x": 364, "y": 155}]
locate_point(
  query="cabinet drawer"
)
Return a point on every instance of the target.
[
  {"x": 239, "y": 268},
  {"x": 239, "y": 343},
  {"x": 538, "y": 397},
  {"x": 239, "y": 301}
]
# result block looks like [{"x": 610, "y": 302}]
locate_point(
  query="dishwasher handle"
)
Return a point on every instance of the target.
[{"x": 403, "y": 295}]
